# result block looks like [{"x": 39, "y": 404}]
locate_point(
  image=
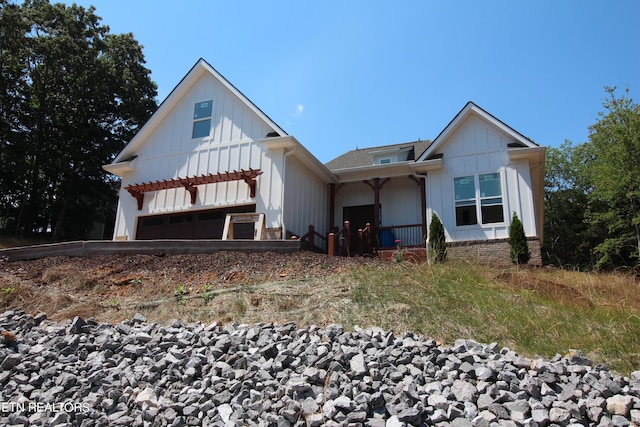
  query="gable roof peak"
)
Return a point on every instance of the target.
[
  {"x": 201, "y": 66},
  {"x": 473, "y": 108}
]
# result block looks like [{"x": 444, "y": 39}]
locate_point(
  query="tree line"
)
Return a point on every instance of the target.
[
  {"x": 592, "y": 193},
  {"x": 71, "y": 95}
]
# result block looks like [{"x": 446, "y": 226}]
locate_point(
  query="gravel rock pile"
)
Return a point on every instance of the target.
[{"x": 137, "y": 373}]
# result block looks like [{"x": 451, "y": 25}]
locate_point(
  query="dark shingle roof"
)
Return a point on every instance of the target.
[{"x": 364, "y": 156}]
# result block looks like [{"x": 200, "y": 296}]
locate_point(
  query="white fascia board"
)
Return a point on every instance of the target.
[
  {"x": 533, "y": 154},
  {"x": 301, "y": 153},
  {"x": 242, "y": 97},
  {"x": 467, "y": 110},
  {"x": 426, "y": 166},
  {"x": 122, "y": 168},
  {"x": 163, "y": 110},
  {"x": 176, "y": 95}
]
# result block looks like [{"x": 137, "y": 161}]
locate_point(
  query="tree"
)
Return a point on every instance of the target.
[
  {"x": 437, "y": 243},
  {"x": 518, "y": 247},
  {"x": 78, "y": 94},
  {"x": 570, "y": 239},
  {"x": 614, "y": 172}
]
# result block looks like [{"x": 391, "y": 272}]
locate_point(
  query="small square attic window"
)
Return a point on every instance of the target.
[{"x": 202, "y": 119}]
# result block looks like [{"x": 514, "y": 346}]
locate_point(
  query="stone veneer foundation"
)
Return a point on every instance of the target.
[
  {"x": 490, "y": 252},
  {"x": 494, "y": 252}
]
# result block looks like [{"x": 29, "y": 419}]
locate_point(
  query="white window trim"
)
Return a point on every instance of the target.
[
  {"x": 478, "y": 200},
  {"x": 202, "y": 119}
]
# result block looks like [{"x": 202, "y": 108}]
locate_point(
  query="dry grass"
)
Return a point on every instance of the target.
[
  {"x": 620, "y": 290},
  {"x": 529, "y": 310},
  {"x": 536, "y": 311}
]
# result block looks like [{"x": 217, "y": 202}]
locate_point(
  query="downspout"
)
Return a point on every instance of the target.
[
  {"x": 423, "y": 208},
  {"x": 284, "y": 176}
]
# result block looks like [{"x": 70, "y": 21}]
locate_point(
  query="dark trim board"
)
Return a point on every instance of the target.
[{"x": 146, "y": 247}]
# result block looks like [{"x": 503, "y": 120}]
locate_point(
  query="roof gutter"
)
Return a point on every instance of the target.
[{"x": 302, "y": 154}]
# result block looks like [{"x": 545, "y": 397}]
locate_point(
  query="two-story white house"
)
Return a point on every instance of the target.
[{"x": 208, "y": 151}]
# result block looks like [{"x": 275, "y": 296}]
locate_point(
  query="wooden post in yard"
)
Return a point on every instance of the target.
[
  {"x": 312, "y": 238},
  {"x": 347, "y": 238},
  {"x": 331, "y": 250}
]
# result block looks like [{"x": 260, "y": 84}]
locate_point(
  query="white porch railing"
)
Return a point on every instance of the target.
[{"x": 409, "y": 236}]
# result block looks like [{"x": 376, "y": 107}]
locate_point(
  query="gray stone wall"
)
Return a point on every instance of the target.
[{"x": 492, "y": 252}]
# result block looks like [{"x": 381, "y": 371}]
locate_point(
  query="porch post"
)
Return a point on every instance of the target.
[
  {"x": 376, "y": 204},
  {"x": 332, "y": 206},
  {"x": 421, "y": 181},
  {"x": 423, "y": 207}
]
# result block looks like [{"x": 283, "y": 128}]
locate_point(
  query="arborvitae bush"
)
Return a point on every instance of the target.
[
  {"x": 518, "y": 248},
  {"x": 437, "y": 243}
]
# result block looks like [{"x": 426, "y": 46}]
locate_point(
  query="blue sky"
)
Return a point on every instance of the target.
[{"x": 339, "y": 75}]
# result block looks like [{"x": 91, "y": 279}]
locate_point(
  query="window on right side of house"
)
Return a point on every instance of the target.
[{"x": 491, "y": 198}]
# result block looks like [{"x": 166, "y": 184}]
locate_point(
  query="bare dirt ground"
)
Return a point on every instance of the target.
[{"x": 226, "y": 286}]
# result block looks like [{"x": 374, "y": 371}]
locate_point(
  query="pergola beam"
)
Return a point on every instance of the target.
[{"x": 190, "y": 184}]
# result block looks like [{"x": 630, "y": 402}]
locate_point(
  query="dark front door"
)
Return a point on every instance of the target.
[{"x": 358, "y": 216}]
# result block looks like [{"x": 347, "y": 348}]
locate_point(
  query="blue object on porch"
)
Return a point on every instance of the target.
[{"x": 386, "y": 239}]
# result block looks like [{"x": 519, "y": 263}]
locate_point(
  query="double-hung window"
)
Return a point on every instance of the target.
[
  {"x": 478, "y": 195},
  {"x": 465, "y": 192},
  {"x": 202, "y": 119},
  {"x": 491, "y": 198}
]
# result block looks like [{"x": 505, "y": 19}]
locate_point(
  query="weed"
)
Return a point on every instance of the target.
[
  {"x": 8, "y": 290},
  {"x": 115, "y": 304},
  {"x": 239, "y": 306},
  {"x": 398, "y": 254},
  {"x": 207, "y": 293},
  {"x": 136, "y": 281},
  {"x": 180, "y": 292}
]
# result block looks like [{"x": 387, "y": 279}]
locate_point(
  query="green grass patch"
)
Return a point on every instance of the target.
[{"x": 451, "y": 301}]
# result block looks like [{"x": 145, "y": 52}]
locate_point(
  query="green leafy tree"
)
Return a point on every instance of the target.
[
  {"x": 570, "y": 239},
  {"x": 518, "y": 247},
  {"x": 437, "y": 242},
  {"x": 76, "y": 95},
  {"x": 614, "y": 173},
  {"x": 13, "y": 89}
]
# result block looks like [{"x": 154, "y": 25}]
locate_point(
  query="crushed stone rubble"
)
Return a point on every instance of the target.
[{"x": 83, "y": 373}]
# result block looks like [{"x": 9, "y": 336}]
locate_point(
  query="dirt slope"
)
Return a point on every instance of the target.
[{"x": 225, "y": 286}]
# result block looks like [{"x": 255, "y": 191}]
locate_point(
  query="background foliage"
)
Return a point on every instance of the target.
[
  {"x": 592, "y": 192},
  {"x": 72, "y": 94}
]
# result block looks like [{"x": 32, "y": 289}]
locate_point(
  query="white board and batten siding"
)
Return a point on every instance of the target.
[
  {"x": 170, "y": 152},
  {"x": 477, "y": 147},
  {"x": 305, "y": 200}
]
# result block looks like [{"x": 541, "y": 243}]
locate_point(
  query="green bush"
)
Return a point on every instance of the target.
[
  {"x": 437, "y": 243},
  {"x": 518, "y": 247}
]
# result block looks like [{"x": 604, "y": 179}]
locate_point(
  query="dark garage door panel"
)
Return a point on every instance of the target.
[{"x": 193, "y": 225}]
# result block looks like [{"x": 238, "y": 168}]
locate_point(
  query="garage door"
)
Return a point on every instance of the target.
[{"x": 207, "y": 224}]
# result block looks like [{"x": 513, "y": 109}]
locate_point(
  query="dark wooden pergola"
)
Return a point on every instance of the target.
[{"x": 190, "y": 184}]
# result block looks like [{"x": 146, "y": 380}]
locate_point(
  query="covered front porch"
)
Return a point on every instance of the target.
[{"x": 390, "y": 198}]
